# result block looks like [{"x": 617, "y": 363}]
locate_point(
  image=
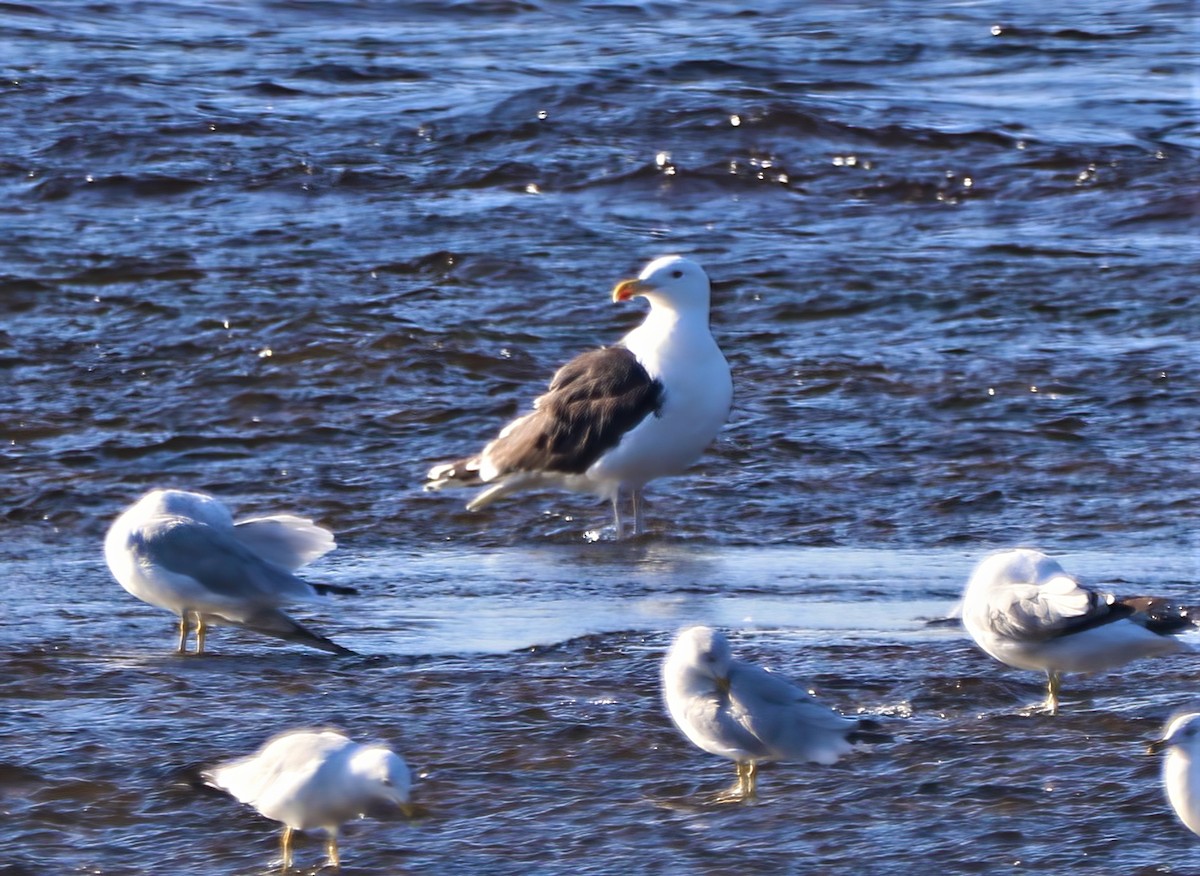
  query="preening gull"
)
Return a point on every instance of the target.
[
  {"x": 182, "y": 551},
  {"x": 316, "y": 779},
  {"x": 1181, "y": 767},
  {"x": 736, "y": 710},
  {"x": 1023, "y": 609},
  {"x": 615, "y": 418}
]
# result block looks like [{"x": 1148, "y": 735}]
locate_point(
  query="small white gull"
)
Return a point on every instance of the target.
[
  {"x": 182, "y": 551},
  {"x": 1022, "y": 608},
  {"x": 615, "y": 418},
  {"x": 747, "y": 714},
  {"x": 316, "y": 779},
  {"x": 1181, "y": 767}
]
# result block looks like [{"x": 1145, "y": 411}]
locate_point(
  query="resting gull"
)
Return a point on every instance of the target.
[
  {"x": 1181, "y": 767},
  {"x": 615, "y": 418},
  {"x": 1023, "y": 609},
  {"x": 744, "y": 713},
  {"x": 182, "y": 551},
  {"x": 316, "y": 779}
]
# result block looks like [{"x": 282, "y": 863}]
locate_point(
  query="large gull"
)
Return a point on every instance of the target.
[
  {"x": 316, "y": 779},
  {"x": 747, "y": 714},
  {"x": 182, "y": 551},
  {"x": 1022, "y": 608},
  {"x": 615, "y": 418}
]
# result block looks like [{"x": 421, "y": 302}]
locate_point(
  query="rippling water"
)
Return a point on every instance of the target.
[{"x": 293, "y": 252}]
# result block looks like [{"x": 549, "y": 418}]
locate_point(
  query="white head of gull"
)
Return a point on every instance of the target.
[
  {"x": 615, "y": 418},
  {"x": 316, "y": 779},
  {"x": 183, "y": 552},
  {"x": 749, "y": 715},
  {"x": 1022, "y": 608}
]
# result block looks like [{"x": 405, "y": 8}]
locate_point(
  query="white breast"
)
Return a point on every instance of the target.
[{"x": 680, "y": 352}]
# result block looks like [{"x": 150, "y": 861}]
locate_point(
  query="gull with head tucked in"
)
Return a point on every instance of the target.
[
  {"x": 182, "y": 551},
  {"x": 747, "y": 714},
  {"x": 615, "y": 418},
  {"x": 317, "y": 780},
  {"x": 1022, "y": 608}
]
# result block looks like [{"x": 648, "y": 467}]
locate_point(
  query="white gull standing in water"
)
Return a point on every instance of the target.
[
  {"x": 1023, "y": 609},
  {"x": 744, "y": 713},
  {"x": 316, "y": 780},
  {"x": 182, "y": 551},
  {"x": 615, "y": 418},
  {"x": 1181, "y": 767}
]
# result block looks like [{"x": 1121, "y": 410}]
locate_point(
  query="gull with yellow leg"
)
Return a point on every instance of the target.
[
  {"x": 317, "y": 780},
  {"x": 749, "y": 715},
  {"x": 183, "y": 551},
  {"x": 1022, "y": 608}
]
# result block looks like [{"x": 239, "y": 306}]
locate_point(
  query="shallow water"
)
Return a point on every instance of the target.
[
  {"x": 293, "y": 253},
  {"x": 522, "y": 687}
]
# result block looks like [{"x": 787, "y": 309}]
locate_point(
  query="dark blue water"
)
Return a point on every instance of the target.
[{"x": 293, "y": 253}]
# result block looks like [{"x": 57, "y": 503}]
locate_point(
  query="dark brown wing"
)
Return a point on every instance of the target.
[{"x": 592, "y": 402}]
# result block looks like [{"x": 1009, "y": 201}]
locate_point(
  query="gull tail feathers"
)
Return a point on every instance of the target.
[
  {"x": 460, "y": 473},
  {"x": 869, "y": 732},
  {"x": 333, "y": 589},
  {"x": 496, "y": 492},
  {"x": 1161, "y": 615},
  {"x": 275, "y": 623}
]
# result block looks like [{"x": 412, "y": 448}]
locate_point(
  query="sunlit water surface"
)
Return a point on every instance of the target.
[{"x": 292, "y": 253}]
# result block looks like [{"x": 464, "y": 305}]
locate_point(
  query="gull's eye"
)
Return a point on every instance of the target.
[{"x": 677, "y": 273}]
